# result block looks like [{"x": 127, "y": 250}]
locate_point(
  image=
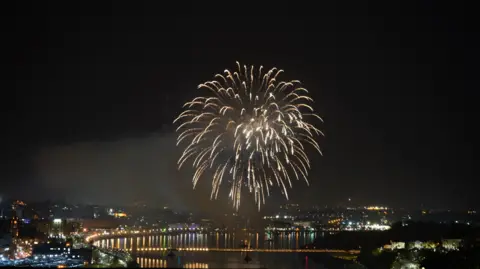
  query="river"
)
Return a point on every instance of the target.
[{"x": 158, "y": 259}]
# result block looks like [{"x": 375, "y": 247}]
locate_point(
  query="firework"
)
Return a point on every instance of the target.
[{"x": 251, "y": 130}]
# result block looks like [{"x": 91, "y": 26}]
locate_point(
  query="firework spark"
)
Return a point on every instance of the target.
[{"x": 251, "y": 130}]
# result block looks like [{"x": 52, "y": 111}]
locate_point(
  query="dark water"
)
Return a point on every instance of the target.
[
  {"x": 291, "y": 240},
  {"x": 234, "y": 260},
  {"x": 158, "y": 259}
]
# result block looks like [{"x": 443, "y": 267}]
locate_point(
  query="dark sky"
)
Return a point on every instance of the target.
[{"x": 95, "y": 89}]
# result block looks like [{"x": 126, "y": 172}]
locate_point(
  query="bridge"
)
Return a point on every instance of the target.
[
  {"x": 94, "y": 236},
  {"x": 122, "y": 256},
  {"x": 149, "y": 250},
  {"x": 98, "y": 236}
]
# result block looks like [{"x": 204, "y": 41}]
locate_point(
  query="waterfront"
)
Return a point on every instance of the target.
[
  {"x": 159, "y": 259},
  {"x": 283, "y": 240}
]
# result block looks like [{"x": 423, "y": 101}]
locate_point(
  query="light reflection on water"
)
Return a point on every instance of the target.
[
  {"x": 158, "y": 259},
  {"x": 290, "y": 240},
  {"x": 229, "y": 260}
]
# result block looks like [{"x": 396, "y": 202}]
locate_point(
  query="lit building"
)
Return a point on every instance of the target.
[
  {"x": 290, "y": 209},
  {"x": 14, "y": 232},
  {"x": 289, "y": 206},
  {"x": 415, "y": 245},
  {"x": 96, "y": 212},
  {"x": 17, "y": 208},
  {"x": 377, "y": 227},
  {"x": 279, "y": 217},
  {"x": 56, "y": 249},
  {"x": 398, "y": 245},
  {"x": 14, "y": 226},
  {"x": 376, "y": 208},
  {"x": 192, "y": 227},
  {"x": 207, "y": 223},
  {"x": 119, "y": 215},
  {"x": 5, "y": 244},
  {"x": 302, "y": 224},
  {"x": 56, "y": 229},
  {"x": 451, "y": 244}
]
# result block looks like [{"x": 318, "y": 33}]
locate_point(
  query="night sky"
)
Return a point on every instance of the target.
[{"x": 95, "y": 88}]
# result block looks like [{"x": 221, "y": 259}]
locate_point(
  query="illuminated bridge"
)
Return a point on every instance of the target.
[
  {"x": 92, "y": 238},
  {"x": 149, "y": 250}
]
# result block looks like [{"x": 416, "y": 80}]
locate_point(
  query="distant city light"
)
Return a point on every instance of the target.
[
  {"x": 120, "y": 215},
  {"x": 378, "y": 227},
  {"x": 376, "y": 208}
]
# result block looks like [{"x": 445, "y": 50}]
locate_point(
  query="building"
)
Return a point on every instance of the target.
[
  {"x": 56, "y": 229},
  {"x": 302, "y": 224},
  {"x": 290, "y": 209},
  {"x": 72, "y": 226},
  {"x": 5, "y": 244},
  {"x": 4, "y": 227},
  {"x": 52, "y": 249},
  {"x": 82, "y": 253},
  {"x": 398, "y": 245},
  {"x": 184, "y": 226},
  {"x": 43, "y": 226},
  {"x": 18, "y": 207},
  {"x": 14, "y": 225},
  {"x": 207, "y": 223},
  {"x": 415, "y": 245},
  {"x": 14, "y": 233},
  {"x": 56, "y": 249},
  {"x": 96, "y": 210},
  {"x": 5, "y": 241},
  {"x": 451, "y": 244}
]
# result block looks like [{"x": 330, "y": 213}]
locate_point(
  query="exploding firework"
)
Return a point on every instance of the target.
[{"x": 251, "y": 130}]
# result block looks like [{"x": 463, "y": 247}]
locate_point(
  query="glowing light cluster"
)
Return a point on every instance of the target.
[
  {"x": 195, "y": 265},
  {"x": 373, "y": 208},
  {"x": 251, "y": 129}
]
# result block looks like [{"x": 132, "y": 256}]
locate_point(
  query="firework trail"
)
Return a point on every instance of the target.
[{"x": 251, "y": 130}]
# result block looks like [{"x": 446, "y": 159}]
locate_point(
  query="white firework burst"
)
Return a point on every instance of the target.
[{"x": 251, "y": 130}]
